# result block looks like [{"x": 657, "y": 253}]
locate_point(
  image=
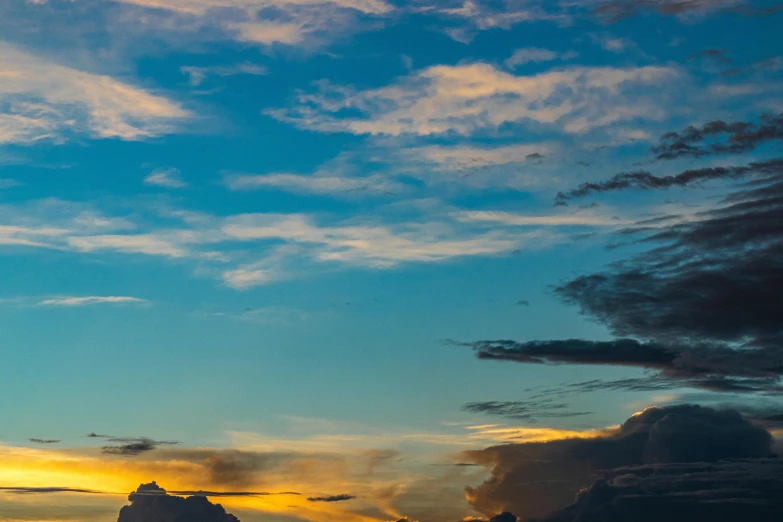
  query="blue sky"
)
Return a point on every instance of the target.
[{"x": 217, "y": 216}]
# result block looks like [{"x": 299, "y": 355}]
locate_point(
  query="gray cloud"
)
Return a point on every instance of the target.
[
  {"x": 534, "y": 479},
  {"x": 331, "y": 498}
]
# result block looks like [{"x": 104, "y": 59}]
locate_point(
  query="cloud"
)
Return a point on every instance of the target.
[
  {"x": 197, "y": 75},
  {"x": 465, "y": 99},
  {"x": 719, "y": 492},
  {"x": 262, "y": 22},
  {"x": 331, "y": 498},
  {"x": 47, "y": 490},
  {"x": 43, "y": 100},
  {"x": 525, "y": 410},
  {"x": 533, "y": 479},
  {"x": 535, "y": 55},
  {"x": 151, "y": 501},
  {"x": 713, "y": 366},
  {"x": 616, "y": 10},
  {"x": 169, "y": 178},
  {"x": 70, "y": 301},
  {"x": 44, "y": 441},
  {"x": 316, "y": 184},
  {"x": 645, "y": 180},
  {"x": 732, "y": 138},
  {"x": 133, "y": 446}
]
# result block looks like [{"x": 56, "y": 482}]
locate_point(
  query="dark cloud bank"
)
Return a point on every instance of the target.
[
  {"x": 702, "y": 307},
  {"x": 682, "y": 463}
]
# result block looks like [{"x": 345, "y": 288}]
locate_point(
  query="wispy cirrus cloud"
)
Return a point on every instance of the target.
[
  {"x": 466, "y": 99},
  {"x": 40, "y": 99},
  {"x": 169, "y": 178},
  {"x": 198, "y": 75},
  {"x": 71, "y": 301}
]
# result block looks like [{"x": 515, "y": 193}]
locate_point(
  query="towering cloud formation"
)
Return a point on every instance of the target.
[
  {"x": 150, "y": 503},
  {"x": 678, "y": 450}
]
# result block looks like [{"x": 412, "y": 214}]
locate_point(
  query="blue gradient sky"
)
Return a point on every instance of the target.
[{"x": 295, "y": 216}]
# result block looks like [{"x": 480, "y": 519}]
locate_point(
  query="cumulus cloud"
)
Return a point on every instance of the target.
[
  {"x": 718, "y": 492},
  {"x": 43, "y": 100},
  {"x": 465, "y": 99},
  {"x": 151, "y": 502},
  {"x": 531, "y": 480}
]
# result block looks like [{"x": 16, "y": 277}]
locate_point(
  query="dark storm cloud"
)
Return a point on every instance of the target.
[
  {"x": 730, "y": 138},
  {"x": 527, "y": 410},
  {"x": 715, "y": 366},
  {"x": 151, "y": 502},
  {"x": 131, "y": 446},
  {"x": 44, "y": 441},
  {"x": 718, "y": 492},
  {"x": 615, "y": 10},
  {"x": 45, "y": 490},
  {"x": 533, "y": 479},
  {"x": 644, "y": 180},
  {"x": 331, "y": 498}
]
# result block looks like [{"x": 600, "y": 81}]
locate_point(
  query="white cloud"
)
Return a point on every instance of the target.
[
  {"x": 197, "y": 75},
  {"x": 466, "y": 99},
  {"x": 70, "y": 301},
  {"x": 316, "y": 184},
  {"x": 265, "y": 22},
  {"x": 169, "y": 178},
  {"x": 466, "y": 157},
  {"x": 149, "y": 244},
  {"x": 41, "y": 99},
  {"x": 512, "y": 219},
  {"x": 536, "y": 55},
  {"x": 613, "y": 44}
]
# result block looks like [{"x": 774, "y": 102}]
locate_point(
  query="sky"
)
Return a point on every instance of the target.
[{"x": 366, "y": 250}]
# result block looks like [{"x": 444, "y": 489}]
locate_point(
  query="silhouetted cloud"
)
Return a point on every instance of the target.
[
  {"x": 151, "y": 502},
  {"x": 702, "y": 307},
  {"x": 732, "y": 138},
  {"x": 130, "y": 446},
  {"x": 718, "y": 492},
  {"x": 527, "y": 410},
  {"x": 45, "y": 490},
  {"x": 613, "y": 11},
  {"x": 644, "y": 180},
  {"x": 716, "y": 366},
  {"x": 331, "y": 498},
  {"x": 534, "y": 479},
  {"x": 44, "y": 441},
  {"x": 523, "y": 302}
]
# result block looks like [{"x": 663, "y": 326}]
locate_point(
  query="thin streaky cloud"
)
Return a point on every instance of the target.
[{"x": 70, "y": 301}]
